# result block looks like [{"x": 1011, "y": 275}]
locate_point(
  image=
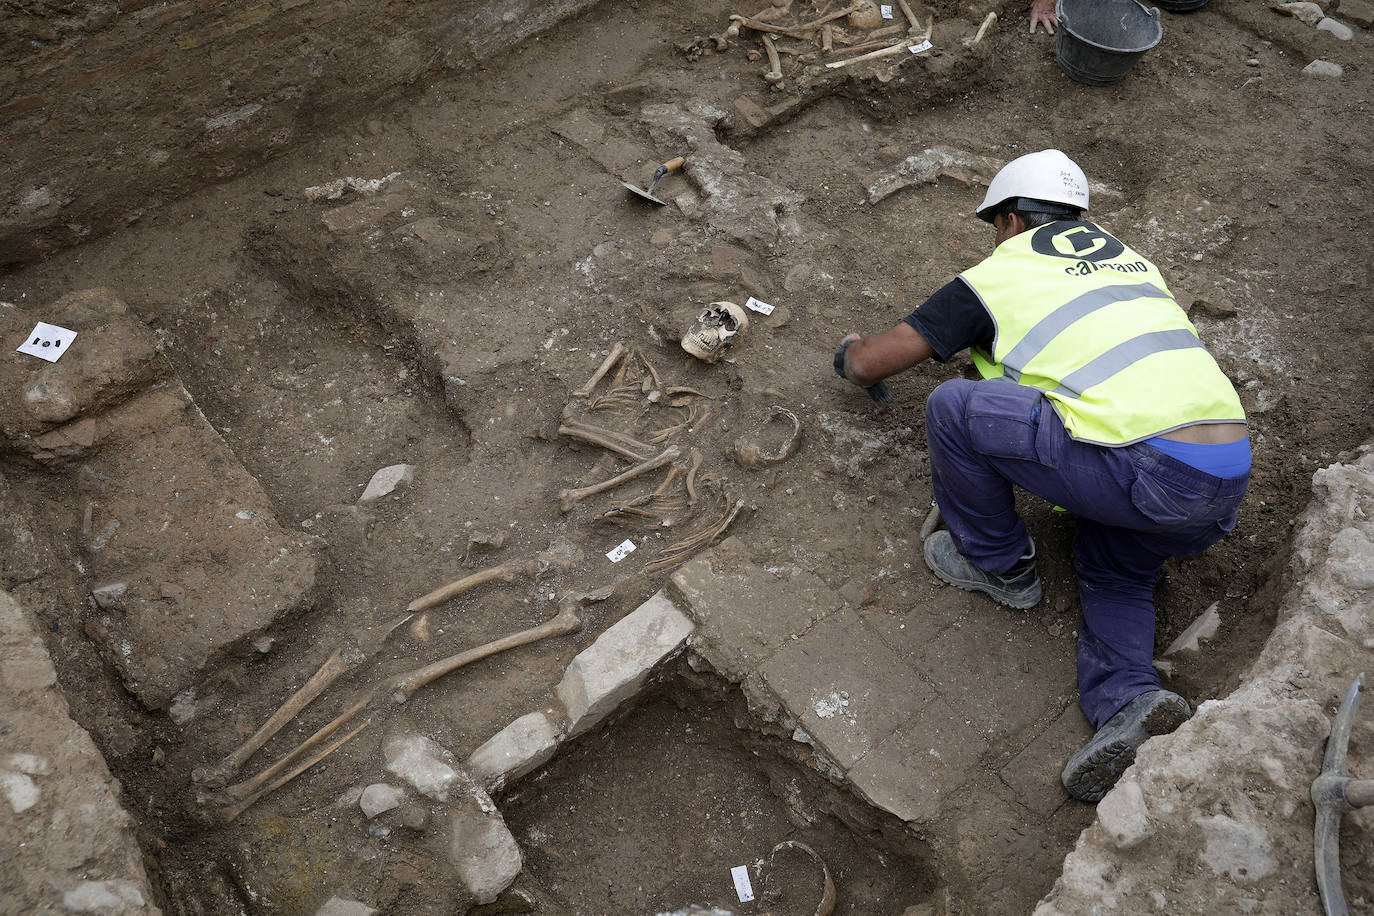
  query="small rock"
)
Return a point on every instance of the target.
[
  {"x": 751, "y": 112},
  {"x": 778, "y": 317},
  {"x": 386, "y": 480},
  {"x": 103, "y": 896},
  {"x": 338, "y": 906},
  {"x": 1360, "y": 12},
  {"x": 1213, "y": 308},
  {"x": 420, "y": 762},
  {"x": 183, "y": 708},
  {"x": 1252, "y": 62},
  {"x": 1309, "y": 13},
  {"x": 661, "y": 237},
  {"x": 1336, "y": 28},
  {"x": 1200, "y": 630},
  {"x": 412, "y": 816},
  {"x": 379, "y": 797},
  {"x": 1324, "y": 68},
  {"x": 107, "y": 596},
  {"x": 20, "y": 791},
  {"x": 1122, "y": 814},
  {"x": 483, "y": 852}
]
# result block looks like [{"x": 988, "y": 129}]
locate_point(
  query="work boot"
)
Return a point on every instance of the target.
[
  {"x": 1018, "y": 587},
  {"x": 1092, "y": 772}
]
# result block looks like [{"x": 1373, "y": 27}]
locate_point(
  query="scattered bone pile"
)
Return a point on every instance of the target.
[{"x": 860, "y": 31}]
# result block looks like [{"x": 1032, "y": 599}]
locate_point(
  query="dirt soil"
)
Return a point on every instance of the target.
[{"x": 445, "y": 321}]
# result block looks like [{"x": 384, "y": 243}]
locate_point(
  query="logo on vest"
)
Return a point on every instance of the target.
[{"x": 1080, "y": 241}]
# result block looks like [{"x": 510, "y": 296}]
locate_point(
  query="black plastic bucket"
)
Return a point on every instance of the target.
[
  {"x": 1099, "y": 41},
  {"x": 1180, "y": 6}
]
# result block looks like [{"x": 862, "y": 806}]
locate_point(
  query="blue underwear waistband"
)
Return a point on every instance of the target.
[{"x": 1221, "y": 459}]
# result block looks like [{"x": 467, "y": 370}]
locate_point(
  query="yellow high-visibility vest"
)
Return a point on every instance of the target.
[{"x": 1092, "y": 323}]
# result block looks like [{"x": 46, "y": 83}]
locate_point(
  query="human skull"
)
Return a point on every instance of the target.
[{"x": 716, "y": 330}]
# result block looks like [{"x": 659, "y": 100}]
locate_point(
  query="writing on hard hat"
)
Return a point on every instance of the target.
[{"x": 1048, "y": 176}]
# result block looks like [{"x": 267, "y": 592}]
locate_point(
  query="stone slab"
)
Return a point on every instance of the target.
[
  {"x": 69, "y": 843},
  {"x": 617, "y": 665},
  {"x": 845, "y": 687},
  {"x": 913, "y": 771},
  {"x": 743, "y": 612},
  {"x": 982, "y": 665},
  {"x": 113, "y": 357},
  {"x": 1034, "y": 772},
  {"x": 173, "y": 515},
  {"x": 482, "y": 850},
  {"x": 519, "y": 748}
]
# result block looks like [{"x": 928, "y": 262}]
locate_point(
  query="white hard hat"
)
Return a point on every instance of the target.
[{"x": 1047, "y": 176}]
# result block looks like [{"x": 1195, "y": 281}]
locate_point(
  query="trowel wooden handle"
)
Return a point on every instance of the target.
[{"x": 672, "y": 165}]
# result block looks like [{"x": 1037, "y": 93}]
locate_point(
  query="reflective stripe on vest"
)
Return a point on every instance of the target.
[{"x": 1091, "y": 322}]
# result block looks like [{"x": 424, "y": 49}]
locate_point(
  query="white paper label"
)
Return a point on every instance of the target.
[
  {"x": 742, "y": 886},
  {"x": 758, "y": 306},
  {"x": 47, "y": 341},
  {"x": 887, "y": 11},
  {"x": 621, "y": 551},
  {"x": 923, "y": 46}
]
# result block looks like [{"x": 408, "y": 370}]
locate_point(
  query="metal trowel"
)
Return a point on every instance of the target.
[{"x": 672, "y": 165}]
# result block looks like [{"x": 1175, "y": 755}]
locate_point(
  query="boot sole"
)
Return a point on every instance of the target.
[
  {"x": 1019, "y": 603},
  {"x": 1102, "y": 768}
]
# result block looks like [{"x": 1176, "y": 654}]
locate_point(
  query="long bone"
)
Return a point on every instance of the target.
[
  {"x": 608, "y": 439},
  {"x": 506, "y": 572},
  {"x": 399, "y": 689},
  {"x": 617, "y": 351},
  {"x": 569, "y": 498},
  {"x": 343, "y": 659}
]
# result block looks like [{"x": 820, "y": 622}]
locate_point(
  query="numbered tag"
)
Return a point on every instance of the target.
[
  {"x": 923, "y": 46},
  {"x": 621, "y": 551},
  {"x": 758, "y": 306},
  {"x": 886, "y": 11},
  {"x": 47, "y": 341},
  {"x": 743, "y": 887}
]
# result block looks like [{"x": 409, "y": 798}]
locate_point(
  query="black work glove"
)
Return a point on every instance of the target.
[{"x": 880, "y": 393}]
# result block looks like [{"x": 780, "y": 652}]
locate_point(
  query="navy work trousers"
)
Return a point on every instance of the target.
[{"x": 1135, "y": 508}]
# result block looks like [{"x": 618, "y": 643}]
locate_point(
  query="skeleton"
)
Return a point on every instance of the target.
[
  {"x": 343, "y": 659},
  {"x": 238, "y": 798},
  {"x": 718, "y": 328},
  {"x": 506, "y": 572},
  {"x": 569, "y": 498}
]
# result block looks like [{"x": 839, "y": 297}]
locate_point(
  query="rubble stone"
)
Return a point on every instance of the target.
[
  {"x": 1324, "y": 68},
  {"x": 1336, "y": 28},
  {"x": 420, "y": 762},
  {"x": 1310, "y": 13},
  {"x": 338, "y": 906},
  {"x": 1123, "y": 816},
  {"x": 516, "y": 750},
  {"x": 379, "y": 798},
  {"x": 617, "y": 665},
  {"x": 482, "y": 851},
  {"x": 1359, "y": 12},
  {"x": 385, "y": 482},
  {"x": 69, "y": 843}
]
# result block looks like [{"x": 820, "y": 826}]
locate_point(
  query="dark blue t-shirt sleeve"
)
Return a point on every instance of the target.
[{"x": 952, "y": 320}]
